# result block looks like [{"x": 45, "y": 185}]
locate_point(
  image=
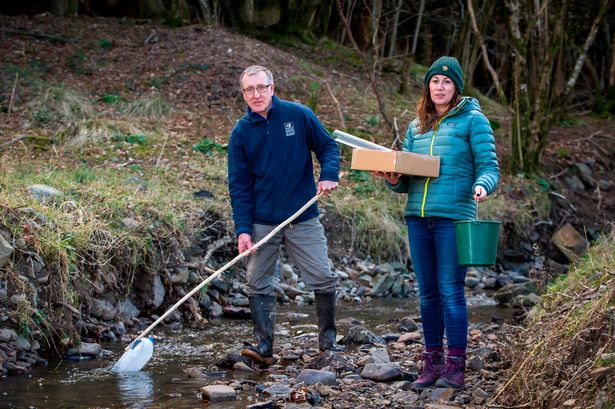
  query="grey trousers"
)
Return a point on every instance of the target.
[{"x": 306, "y": 245}]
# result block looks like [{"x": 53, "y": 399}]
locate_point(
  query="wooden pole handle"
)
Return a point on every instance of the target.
[{"x": 225, "y": 267}]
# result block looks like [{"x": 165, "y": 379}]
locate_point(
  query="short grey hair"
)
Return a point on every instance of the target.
[{"x": 254, "y": 69}]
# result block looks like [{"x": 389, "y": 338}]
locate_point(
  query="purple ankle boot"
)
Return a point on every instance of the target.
[
  {"x": 433, "y": 366},
  {"x": 453, "y": 374}
]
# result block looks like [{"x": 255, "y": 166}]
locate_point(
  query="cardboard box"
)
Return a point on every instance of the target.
[{"x": 406, "y": 163}]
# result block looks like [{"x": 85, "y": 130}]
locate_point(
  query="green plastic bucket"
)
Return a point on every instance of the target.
[{"x": 477, "y": 241}]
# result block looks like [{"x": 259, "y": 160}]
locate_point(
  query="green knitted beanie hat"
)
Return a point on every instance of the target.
[{"x": 448, "y": 66}]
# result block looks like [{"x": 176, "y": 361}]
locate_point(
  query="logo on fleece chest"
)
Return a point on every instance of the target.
[{"x": 289, "y": 128}]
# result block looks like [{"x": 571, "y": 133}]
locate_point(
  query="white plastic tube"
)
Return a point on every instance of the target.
[{"x": 356, "y": 142}]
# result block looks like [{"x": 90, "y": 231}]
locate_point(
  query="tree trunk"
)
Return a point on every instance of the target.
[
  {"x": 151, "y": 8},
  {"x": 64, "y": 7},
  {"x": 417, "y": 29},
  {"x": 393, "y": 37}
]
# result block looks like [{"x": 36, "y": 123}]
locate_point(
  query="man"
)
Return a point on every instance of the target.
[{"x": 271, "y": 176}]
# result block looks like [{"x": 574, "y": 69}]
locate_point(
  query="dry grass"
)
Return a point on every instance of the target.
[{"x": 567, "y": 353}]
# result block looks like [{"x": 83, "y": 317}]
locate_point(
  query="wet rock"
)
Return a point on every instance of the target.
[
  {"x": 85, "y": 350},
  {"x": 200, "y": 372},
  {"x": 382, "y": 372},
  {"x": 314, "y": 376},
  {"x": 14, "y": 368},
  {"x": 45, "y": 194},
  {"x": 360, "y": 335},
  {"x": 218, "y": 393},
  {"x": 231, "y": 359}
]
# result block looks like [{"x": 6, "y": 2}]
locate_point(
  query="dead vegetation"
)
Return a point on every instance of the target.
[{"x": 566, "y": 355}]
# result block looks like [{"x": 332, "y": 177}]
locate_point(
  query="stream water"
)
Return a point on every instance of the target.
[{"x": 163, "y": 383}]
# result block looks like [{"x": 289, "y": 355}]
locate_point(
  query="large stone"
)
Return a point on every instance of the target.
[
  {"x": 218, "y": 393},
  {"x": 382, "y": 372},
  {"x": 159, "y": 291},
  {"x": 314, "y": 376},
  {"x": 380, "y": 356},
  {"x": 103, "y": 309},
  {"x": 359, "y": 335},
  {"x": 6, "y": 250},
  {"x": 45, "y": 194},
  {"x": 384, "y": 283},
  {"x": 22, "y": 344},
  {"x": 278, "y": 391},
  {"x": 570, "y": 242},
  {"x": 85, "y": 350},
  {"x": 7, "y": 335},
  {"x": 408, "y": 324},
  {"x": 127, "y": 308}
]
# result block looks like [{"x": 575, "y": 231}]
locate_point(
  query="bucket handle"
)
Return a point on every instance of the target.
[{"x": 476, "y": 209}]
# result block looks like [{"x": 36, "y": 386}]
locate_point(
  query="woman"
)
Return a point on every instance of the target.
[{"x": 454, "y": 128}]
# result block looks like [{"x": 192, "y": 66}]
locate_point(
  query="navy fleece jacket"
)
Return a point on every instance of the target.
[{"x": 270, "y": 171}]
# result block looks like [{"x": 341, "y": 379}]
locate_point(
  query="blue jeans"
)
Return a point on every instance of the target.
[{"x": 441, "y": 280}]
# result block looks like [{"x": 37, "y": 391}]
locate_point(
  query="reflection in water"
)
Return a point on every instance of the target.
[{"x": 136, "y": 387}]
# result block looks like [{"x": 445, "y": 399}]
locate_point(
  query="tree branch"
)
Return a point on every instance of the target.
[
  {"x": 604, "y": 5},
  {"x": 483, "y": 48}
]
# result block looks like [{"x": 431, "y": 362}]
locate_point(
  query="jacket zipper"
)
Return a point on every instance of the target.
[{"x": 433, "y": 137}]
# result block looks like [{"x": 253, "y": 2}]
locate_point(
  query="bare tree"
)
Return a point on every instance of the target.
[
  {"x": 371, "y": 67},
  {"x": 539, "y": 88}
]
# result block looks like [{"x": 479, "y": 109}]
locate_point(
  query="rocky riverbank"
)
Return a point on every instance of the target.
[{"x": 108, "y": 317}]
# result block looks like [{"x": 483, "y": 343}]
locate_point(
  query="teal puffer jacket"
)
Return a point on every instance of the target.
[{"x": 464, "y": 141}]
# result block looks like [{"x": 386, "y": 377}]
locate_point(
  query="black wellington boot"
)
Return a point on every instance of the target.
[
  {"x": 263, "y": 318},
  {"x": 325, "y": 311}
]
